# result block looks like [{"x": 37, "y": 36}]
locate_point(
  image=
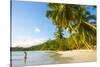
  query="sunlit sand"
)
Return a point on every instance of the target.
[{"x": 79, "y": 55}]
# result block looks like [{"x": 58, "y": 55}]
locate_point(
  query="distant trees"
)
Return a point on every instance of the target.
[{"x": 49, "y": 45}]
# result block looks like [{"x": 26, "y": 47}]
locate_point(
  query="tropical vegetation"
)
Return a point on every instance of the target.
[{"x": 75, "y": 19}]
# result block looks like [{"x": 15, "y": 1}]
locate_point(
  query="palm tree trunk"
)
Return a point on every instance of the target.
[{"x": 87, "y": 23}]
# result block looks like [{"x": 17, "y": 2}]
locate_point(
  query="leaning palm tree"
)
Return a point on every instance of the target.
[
  {"x": 85, "y": 29},
  {"x": 62, "y": 17},
  {"x": 70, "y": 17}
]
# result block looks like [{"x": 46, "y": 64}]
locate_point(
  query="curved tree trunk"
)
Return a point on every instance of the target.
[{"x": 87, "y": 23}]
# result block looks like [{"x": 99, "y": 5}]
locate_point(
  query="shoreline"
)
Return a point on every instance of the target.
[{"x": 74, "y": 56}]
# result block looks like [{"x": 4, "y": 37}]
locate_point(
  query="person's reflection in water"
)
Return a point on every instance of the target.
[{"x": 25, "y": 57}]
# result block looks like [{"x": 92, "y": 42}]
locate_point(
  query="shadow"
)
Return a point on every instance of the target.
[{"x": 57, "y": 57}]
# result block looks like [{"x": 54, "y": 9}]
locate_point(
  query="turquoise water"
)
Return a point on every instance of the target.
[{"x": 36, "y": 58}]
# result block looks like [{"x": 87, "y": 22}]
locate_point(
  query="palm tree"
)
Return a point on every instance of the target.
[
  {"x": 71, "y": 17},
  {"x": 87, "y": 30},
  {"x": 63, "y": 15}
]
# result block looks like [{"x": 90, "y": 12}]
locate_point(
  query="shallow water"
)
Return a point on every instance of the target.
[{"x": 36, "y": 58}]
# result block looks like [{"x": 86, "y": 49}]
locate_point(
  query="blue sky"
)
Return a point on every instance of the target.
[
  {"x": 30, "y": 24},
  {"x": 29, "y": 21},
  {"x": 27, "y": 17}
]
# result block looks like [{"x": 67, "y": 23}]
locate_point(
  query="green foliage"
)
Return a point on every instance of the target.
[
  {"x": 74, "y": 18},
  {"x": 50, "y": 45}
]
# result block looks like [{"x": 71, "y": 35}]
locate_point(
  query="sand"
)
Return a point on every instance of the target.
[{"x": 79, "y": 55}]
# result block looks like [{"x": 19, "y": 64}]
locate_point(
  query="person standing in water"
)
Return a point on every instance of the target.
[{"x": 25, "y": 57}]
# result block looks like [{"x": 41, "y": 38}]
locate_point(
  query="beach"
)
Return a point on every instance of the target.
[
  {"x": 52, "y": 57},
  {"x": 79, "y": 55}
]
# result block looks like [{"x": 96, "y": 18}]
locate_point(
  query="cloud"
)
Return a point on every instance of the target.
[
  {"x": 28, "y": 42},
  {"x": 36, "y": 29}
]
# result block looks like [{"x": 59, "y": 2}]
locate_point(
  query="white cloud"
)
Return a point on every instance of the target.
[
  {"x": 27, "y": 43},
  {"x": 36, "y": 29}
]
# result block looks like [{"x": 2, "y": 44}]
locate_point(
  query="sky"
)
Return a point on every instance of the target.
[{"x": 30, "y": 26}]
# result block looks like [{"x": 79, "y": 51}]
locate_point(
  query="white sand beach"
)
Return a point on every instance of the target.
[{"x": 79, "y": 55}]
